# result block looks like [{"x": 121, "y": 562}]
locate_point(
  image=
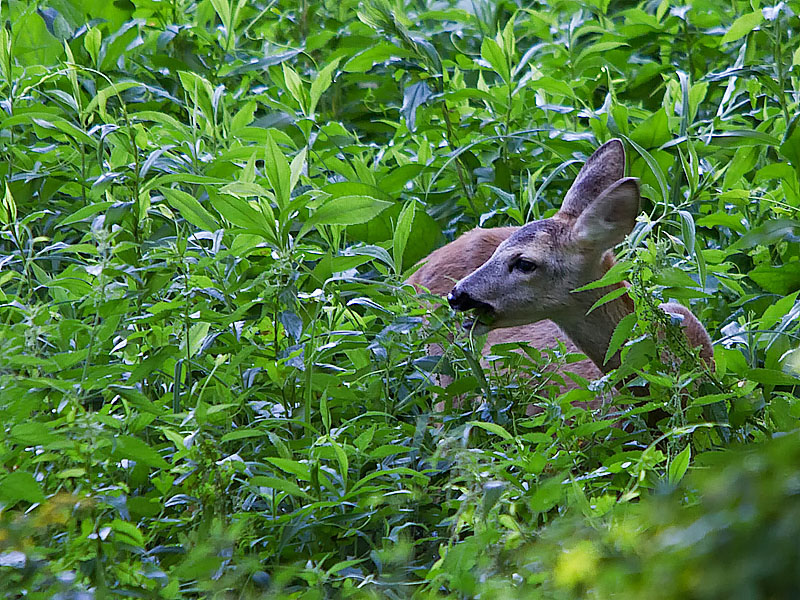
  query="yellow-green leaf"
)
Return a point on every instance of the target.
[{"x": 742, "y": 26}]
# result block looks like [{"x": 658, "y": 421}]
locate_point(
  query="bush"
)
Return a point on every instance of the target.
[{"x": 213, "y": 382}]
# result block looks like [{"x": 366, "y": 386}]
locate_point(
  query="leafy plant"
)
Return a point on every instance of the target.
[{"x": 213, "y": 380}]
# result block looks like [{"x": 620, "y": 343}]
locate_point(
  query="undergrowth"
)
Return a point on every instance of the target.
[{"x": 213, "y": 382}]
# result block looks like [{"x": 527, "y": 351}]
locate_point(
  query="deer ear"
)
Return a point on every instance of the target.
[
  {"x": 603, "y": 168},
  {"x": 607, "y": 220}
]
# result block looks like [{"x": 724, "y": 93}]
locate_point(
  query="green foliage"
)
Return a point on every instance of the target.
[
  {"x": 729, "y": 532},
  {"x": 213, "y": 383}
]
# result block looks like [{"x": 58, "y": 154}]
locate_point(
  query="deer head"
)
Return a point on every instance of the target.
[{"x": 531, "y": 275}]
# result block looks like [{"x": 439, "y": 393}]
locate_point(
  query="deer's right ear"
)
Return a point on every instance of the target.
[
  {"x": 603, "y": 168},
  {"x": 607, "y": 220}
]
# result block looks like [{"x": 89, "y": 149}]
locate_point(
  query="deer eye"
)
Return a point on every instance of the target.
[{"x": 524, "y": 265}]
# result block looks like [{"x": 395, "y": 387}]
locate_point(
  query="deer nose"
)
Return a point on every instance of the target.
[{"x": 459, "y": 300}]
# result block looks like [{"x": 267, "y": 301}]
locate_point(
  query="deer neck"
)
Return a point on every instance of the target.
[{"x": 592, "y": 332}]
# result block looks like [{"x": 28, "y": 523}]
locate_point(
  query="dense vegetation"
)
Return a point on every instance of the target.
[{"x": 214, "y": 383}]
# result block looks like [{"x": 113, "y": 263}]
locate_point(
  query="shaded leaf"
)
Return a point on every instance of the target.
[{"x": 414, "y": 96}]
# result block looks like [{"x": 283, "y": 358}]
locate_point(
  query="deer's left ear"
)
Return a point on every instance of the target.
[{"x": 607, "y": 220}]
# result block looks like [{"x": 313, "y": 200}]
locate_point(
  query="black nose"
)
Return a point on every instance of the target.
[{"x": 459, "y": 300}]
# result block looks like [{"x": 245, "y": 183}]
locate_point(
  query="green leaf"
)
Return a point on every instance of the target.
[
  {"x": 243, "y": 118},
  {"x": 709, "y": 399},
  {"x": 5, "y": 53},
  {"x": 33, "y": 433},
  {"x": 73, "y": 473},
  {"x": 653, "y": 131},
  {"x": 84, "y": 213},
  {"x": 743, "y": 162},
  {"x": 507, "y": 39},
  {"x": 780, "y": 279},
  {"x": 377, "y": 54},
  {"x": 688, "y": 231},
  {"x": 679, "y": 465},
  {"x": 411, "y": 473},
  {"x": 388, "y": 450},
  {"x": 790, "y": 146},
  {"x": 365, "y": 438},
  {"x": 772, "y": 377},
  {"x": 8, "y": 208},
  {"x": 742, "y": 26},
  {"x": 245, "y": 189},
  {"x": 92, "y": 41},
  {"x": 397, "y": 178},
  {"x": 32, "y": 43},
  {"x": 197, "y": 334},
  {"x": 281, "y": 485},
  {"x": 201, "y": 92},
  {"x": 65, "y": 127},
  {"x": 20, "y": 485},
  {"x": 675, "y": 277},
  {"x": 612, "y": 295},
  {"x": 344, "y": 564},
  {"x": 299, "y": 470},
  {"x": 115, "y": 89},
  {"x": 492, "y": 53},
  {"x": 615, "y": 274},
  {"x": 295, "y": 86},
  {"x": 223, "y": 9},
  {"x": 743, "y": 137},
  {"x": 348, "y": 210},
  {"x": 790, "y": 364},
  {"x": 492, "y": 492},
  {"x": 697, "y": 94},
  {"x": 621, "y": 333},
  {"x": 190, "y": 209},
  {"x": 770, "y": 232},
  {"x": 492, "y": 428},
  {"x": 401, "y": 233},
  {"x": 658, "y": 172},
  {"x": 414, "y": 96},
  {"x": 734, "y": 221},
  {"x": 321, "y": 83},
  {"x": 135, "y": 449},
  {"x": 342, "y": 460},
  {"x": 296, "y": 168},
  {"x": 324, "y": 413},
  {"x": 241, "y": 433},
  {"x": 278, "y": 172},
  {"x": 775, "y": 312},
  {"x": 128, "y": 533},
  {"x": 240, "y": 213}
]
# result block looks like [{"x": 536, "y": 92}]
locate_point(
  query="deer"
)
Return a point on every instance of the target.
[{"x": 519, "y": 283}]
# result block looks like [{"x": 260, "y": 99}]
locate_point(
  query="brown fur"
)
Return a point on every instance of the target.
[
  {"x": 569, "y": 251},
  {"x": 445, "y": 266},
  {"x": 694, "y": 331},
  {"x": 459, "y": 258},
  {"x": 451, "y": 263}
]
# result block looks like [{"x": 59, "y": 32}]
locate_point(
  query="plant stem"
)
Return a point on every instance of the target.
[
  {"x": 781, "y": 75},
  {"x": 454, "y": 147}
]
